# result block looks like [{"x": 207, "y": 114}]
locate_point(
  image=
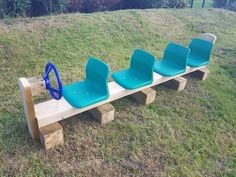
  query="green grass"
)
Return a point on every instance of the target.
[{"x": 188, "y": 133}]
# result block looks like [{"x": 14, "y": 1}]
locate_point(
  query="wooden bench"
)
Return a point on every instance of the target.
[{"x": 43, "y": 117}]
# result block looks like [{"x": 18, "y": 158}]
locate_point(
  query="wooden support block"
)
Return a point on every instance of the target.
[
  {"x": 201, "y": 74},
  {"x": 104, "y": 113},
  {"x": 178, "y": 83},
  {"x": 145, "y": 97},
  {"x": 51, "y": 135}
]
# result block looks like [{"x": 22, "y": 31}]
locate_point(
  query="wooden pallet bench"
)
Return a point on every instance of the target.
[{"x": 42, "y": 118}]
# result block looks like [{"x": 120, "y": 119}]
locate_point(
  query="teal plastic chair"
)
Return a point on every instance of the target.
[
  {"x": 91, "y": 90},
  {"x": 140, "y": 72},
  {"x": 174, "y": 61},
  {"x": 200, "y": 52}
]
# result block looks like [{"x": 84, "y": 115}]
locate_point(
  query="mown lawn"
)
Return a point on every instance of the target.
[{"x": 188, "y": 133}]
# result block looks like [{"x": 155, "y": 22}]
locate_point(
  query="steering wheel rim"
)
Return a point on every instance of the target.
[{"x": 55, "y": 93}]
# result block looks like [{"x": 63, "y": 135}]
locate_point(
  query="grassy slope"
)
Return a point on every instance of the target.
[{"x": 191, "y": 133}]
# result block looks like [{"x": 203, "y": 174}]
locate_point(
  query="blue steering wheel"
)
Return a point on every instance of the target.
[{"x": 55, "y": 93}]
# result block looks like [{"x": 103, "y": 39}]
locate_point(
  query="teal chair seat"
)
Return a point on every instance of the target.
[
  {"x": 130, "y": 79},
  {"x": 167, "y": 70},
  {"x": 82, "y": 94},
  {"x": 92, "y": 90},
  {"x": 174, "y": 60},
  {"x": 140, "y": 72},
  {"x": 200, "y": 52},
  {"x": 195, "y": 61}
]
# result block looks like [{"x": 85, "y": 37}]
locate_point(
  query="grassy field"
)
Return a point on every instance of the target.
[{"x": 190, "y": 133}]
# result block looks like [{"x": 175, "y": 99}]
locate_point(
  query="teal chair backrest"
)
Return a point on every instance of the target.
[
  {"x": 207, "y": 37},
  {"x": 201, "y": 48},
  {"x": 176, "y": 55},
  {"x": 97, "y": 73},
  {"x": 143, "y": 62}
]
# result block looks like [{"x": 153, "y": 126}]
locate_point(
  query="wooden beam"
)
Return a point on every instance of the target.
[
  {"x": 51, "y": 135},
  {"x": 53, "y": 111},
  {"x": 27, "y": 99},
  {"x": 37, "y": 85},
  {"x": 178, "y": 83},
  {"x": 104, "y": 113},
  {"x": 145, "y": 97}
]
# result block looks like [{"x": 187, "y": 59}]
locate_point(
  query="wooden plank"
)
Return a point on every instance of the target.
[
  {"x": 178, "y": 83},
  {"x": 104, "y": 113},
  {"x": 53, "y": 111},
  {"x": 51, "y": 135},
  {"x": 145, "y": 97},
  {"x": 37, "y": 85},
  {"x": 29, "y": 110}
]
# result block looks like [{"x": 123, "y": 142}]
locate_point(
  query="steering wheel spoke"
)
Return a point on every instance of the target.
[{"x": 55, "y": 90}]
